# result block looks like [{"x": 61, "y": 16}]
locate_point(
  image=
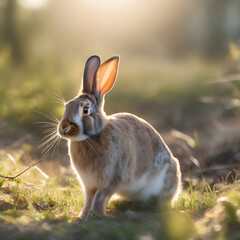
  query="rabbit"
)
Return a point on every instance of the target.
[{"x": 121, "y": 153}]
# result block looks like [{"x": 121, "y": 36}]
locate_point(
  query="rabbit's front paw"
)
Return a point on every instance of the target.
[
  {"x": 93, "y": 214},
  {"x": 82, "y": 216}
]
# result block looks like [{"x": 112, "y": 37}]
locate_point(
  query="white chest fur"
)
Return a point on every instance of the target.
[{"x": 87, "y": 179}]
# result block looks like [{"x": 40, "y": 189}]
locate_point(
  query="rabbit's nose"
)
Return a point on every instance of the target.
[
  {"x": 64, "y": 127},
  {"x": 66, "y": 130}
]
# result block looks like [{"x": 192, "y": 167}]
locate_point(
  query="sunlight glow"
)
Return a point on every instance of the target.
[
  {"x": 115, "y": 197},
  {"x": 109, "y": 3},
  {"x": 32, "y": 4}
]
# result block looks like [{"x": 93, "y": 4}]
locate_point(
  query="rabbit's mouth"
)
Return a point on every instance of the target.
[{"x": 68, "y": 129}]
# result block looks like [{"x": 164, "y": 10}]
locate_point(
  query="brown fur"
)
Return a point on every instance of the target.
[
  {"x": 137, "y": 149},
  {"x": 87, "y": 124},
  {"x": 73, "y": 131}
]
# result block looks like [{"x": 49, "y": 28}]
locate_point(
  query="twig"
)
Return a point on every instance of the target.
[{"x": 19, "y": 174}]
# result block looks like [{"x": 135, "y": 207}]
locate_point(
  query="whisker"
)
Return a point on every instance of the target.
[
  {"x": 55, "y": 117},
  {"x": 49, "y": 147},
  {"x": 44, "y": 155},
  {"x": 44, "y": 143},
  {"x": 48, "y": 135},
  {"x": 60, "y": 96},
  {"x": 55, "y": 146},
  {"x": 46, "y": 123},
  {"x": 58, "y": 144},
  {"x": 51, "y": 140},
  {"x": 50, "y": 130},
  {"x": 47, "y": 140},
  {"x": 49, "y": 117},
  {"x": 59, "y": 99}
]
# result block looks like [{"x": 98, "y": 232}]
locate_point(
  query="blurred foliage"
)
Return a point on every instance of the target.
[
  {"x": 42, "y": 51},
  {"x": 27, "y": 90},
  {"x": 23, "y": 92}
]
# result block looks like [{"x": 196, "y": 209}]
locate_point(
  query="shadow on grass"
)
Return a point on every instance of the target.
[{"x": 116, "y": 226}]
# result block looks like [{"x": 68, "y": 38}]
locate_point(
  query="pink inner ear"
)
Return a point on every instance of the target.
[{"x": 106, "y": 75}]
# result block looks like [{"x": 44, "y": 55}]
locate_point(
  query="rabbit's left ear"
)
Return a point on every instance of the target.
[
  {"x": 106, "y": 75},
  {"x": 91, "y": 67}
]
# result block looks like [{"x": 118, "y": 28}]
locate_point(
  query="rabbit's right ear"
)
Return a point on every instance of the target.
[
  {"x": 91, "y": 67},
  {"x": 106, "y": 75}
]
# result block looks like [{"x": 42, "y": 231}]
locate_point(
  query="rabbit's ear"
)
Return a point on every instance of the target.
[
  {"x": 91, "y": 67},
  {"x": 106, "y": 75}
]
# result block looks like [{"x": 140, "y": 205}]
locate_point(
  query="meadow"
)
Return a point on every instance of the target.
[
  {"x": 179, "y": 70},
  {"x": 45, "y": 200},
  {"x": 40, "y": 206}
]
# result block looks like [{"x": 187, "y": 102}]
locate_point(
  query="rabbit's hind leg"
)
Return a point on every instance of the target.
[
  {"x": 155, "y": 184},
  {"x": 164, "y": 184},
  {"x": 172, "y": 182}
]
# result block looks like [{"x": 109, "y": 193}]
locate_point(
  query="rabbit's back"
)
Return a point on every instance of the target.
[{"x": 137, "y": 137}]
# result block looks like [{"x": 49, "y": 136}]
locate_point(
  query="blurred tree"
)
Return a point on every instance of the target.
[
  {"x": 216, "y": 42},
  {"x": 9, "y": 33}
]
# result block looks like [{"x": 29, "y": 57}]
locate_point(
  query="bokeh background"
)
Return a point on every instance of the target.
[{"x": 179, "y": 68}]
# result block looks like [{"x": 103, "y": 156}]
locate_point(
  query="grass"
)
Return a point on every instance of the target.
[
  {"x": 197, "y": 200},
  {"x": 48, "y": 207}
]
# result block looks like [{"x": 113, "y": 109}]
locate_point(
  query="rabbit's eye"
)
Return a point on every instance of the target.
[{"x": 85, "y": 110}]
